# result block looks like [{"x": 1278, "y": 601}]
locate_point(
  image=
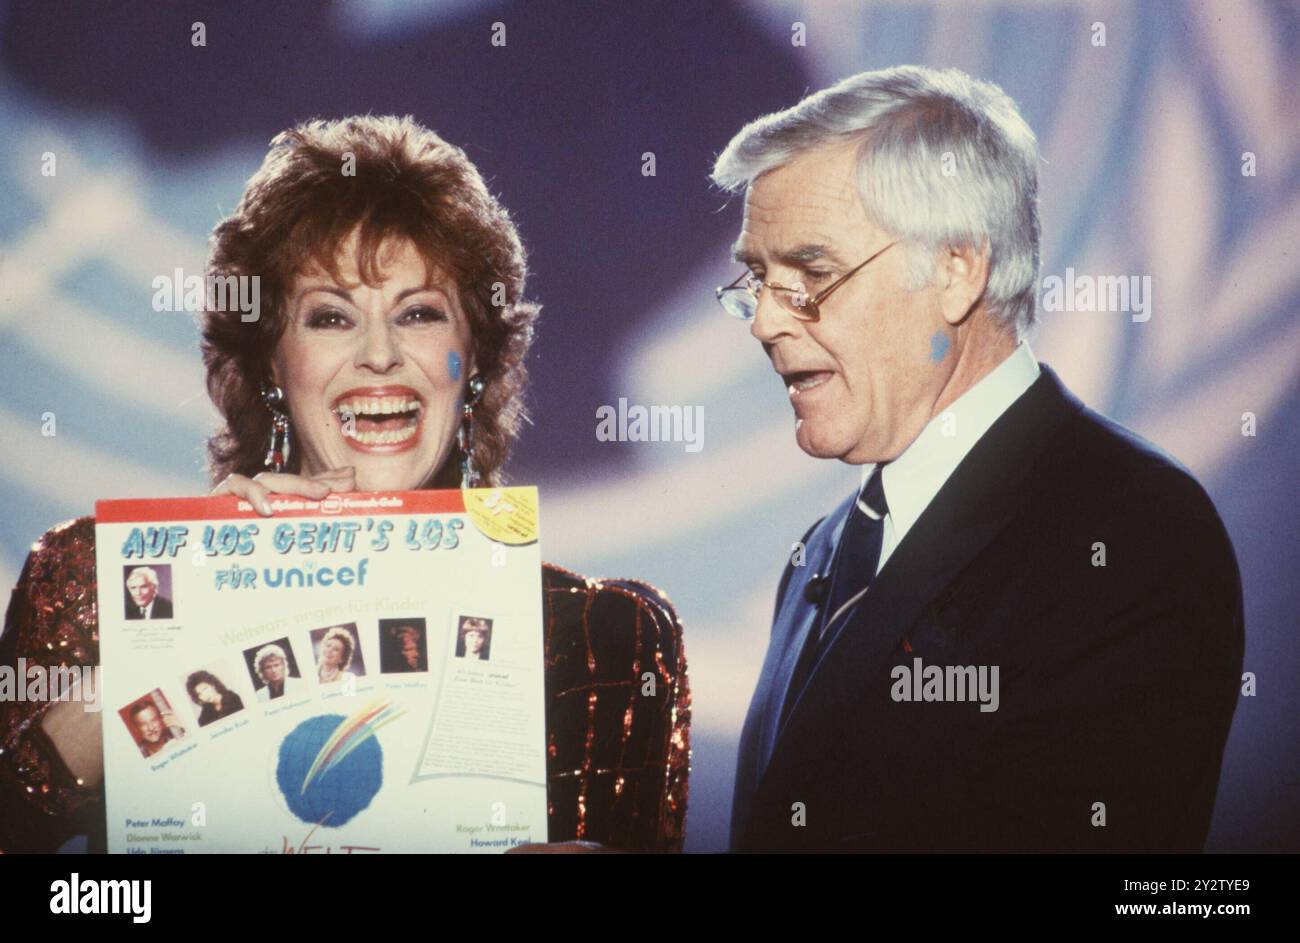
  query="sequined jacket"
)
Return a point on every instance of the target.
[{"x": 618, "y": 760}]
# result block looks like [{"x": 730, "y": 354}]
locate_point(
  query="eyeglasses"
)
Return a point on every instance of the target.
[{"x": 740, "y": 298}]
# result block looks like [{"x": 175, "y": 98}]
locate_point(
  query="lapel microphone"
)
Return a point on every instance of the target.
[{"x": 817, "y": 588}]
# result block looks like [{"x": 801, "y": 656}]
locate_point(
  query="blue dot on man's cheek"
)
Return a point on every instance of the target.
[
  {"x": 453, "y": 365},
  {"x": 938, "y": 346}
]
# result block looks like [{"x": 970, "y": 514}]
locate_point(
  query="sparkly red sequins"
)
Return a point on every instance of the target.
[{"x": 620, "y": 704}]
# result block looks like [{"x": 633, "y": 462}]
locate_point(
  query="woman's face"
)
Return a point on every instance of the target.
[
  {"x": 206, "y": 692},
  {"x": 375, "y": 377},
  {"x": 333, "y": 653}
]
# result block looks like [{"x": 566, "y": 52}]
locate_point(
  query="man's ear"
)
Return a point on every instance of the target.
[{"x": 963, "y": 276}]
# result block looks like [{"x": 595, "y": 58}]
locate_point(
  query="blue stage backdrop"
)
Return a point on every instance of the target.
[{"x": 1170, "y": 152}]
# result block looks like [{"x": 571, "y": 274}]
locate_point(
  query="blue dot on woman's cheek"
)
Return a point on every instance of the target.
[{"x": 453, "y": 364}]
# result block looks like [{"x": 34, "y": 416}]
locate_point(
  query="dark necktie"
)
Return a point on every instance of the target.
[{"x": 856, "y": 558}]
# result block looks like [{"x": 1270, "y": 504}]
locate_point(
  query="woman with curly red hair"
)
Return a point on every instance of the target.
[{"x": 387, "y": 353}]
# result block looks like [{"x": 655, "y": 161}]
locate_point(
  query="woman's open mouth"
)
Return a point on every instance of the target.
[{"x": 380, "y": 418}]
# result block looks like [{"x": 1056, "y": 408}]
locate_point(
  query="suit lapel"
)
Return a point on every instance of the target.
[
  {"x": 791, "y": 624},
  {"x": 976, "y": 502},
  {"x": 803, "y": 618}
]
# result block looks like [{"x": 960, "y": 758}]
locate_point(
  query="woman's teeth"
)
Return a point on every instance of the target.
[
  {"x": 382, "y": 437},
  {"x": 387, "y": 420},
  {"x": 377, "y": 407}
]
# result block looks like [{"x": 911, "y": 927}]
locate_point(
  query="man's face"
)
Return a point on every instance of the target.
[
  {"x": 141, "y": 590},
  {"x": 865, "y": 379},
  {"x": 273, "y": 669},
  {"x": 149, "y": 723}
]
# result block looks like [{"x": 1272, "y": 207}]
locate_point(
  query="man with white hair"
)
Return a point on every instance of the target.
[
  {"x": 1024, "y": 632},
  {"x": 271, "y": 671},
  {"x": 143, "y": 599}
]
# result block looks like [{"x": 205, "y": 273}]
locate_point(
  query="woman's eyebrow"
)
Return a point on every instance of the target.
[
  {"x": 328, "y": 289},
  {"x": 347, "y": 295},
  {"x": 407, "y": 292}
]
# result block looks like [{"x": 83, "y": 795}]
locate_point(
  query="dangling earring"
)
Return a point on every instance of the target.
[
  {"x": 469, "y": 474},
  {"x": 277, "y": 454}
]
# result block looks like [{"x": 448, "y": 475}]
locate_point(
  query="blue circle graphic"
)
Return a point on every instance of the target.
[{"x": 336, "y": 796}]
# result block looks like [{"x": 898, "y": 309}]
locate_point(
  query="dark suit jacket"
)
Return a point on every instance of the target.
[
  {"x": 162, "y": 608},
  {"x": 1117, "y": 683}
]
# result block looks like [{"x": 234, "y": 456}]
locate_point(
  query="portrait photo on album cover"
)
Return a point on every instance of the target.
[
  {"x": 338, "y": 654},
  {"x": 403, "y": 646},
  {"x": 151, "y": 723},
  {"x": 473, "y": 638},
  {"x": 273, "y": 670},
  {"x": 211, "y": 694},
  {"x": 147, "y": 591}
]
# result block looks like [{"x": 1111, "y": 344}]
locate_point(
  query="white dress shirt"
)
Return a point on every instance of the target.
[
  {"x": 292, "y": 686},
  {"x": 913, "y": 479}
]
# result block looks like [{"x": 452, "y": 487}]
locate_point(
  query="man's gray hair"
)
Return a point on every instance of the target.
[
  {"x": 148, "y": 573},
  {"x": 945, "y": 160}
]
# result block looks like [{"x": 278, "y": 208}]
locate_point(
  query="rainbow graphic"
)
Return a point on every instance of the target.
[{"x": 349, "y": 735}]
